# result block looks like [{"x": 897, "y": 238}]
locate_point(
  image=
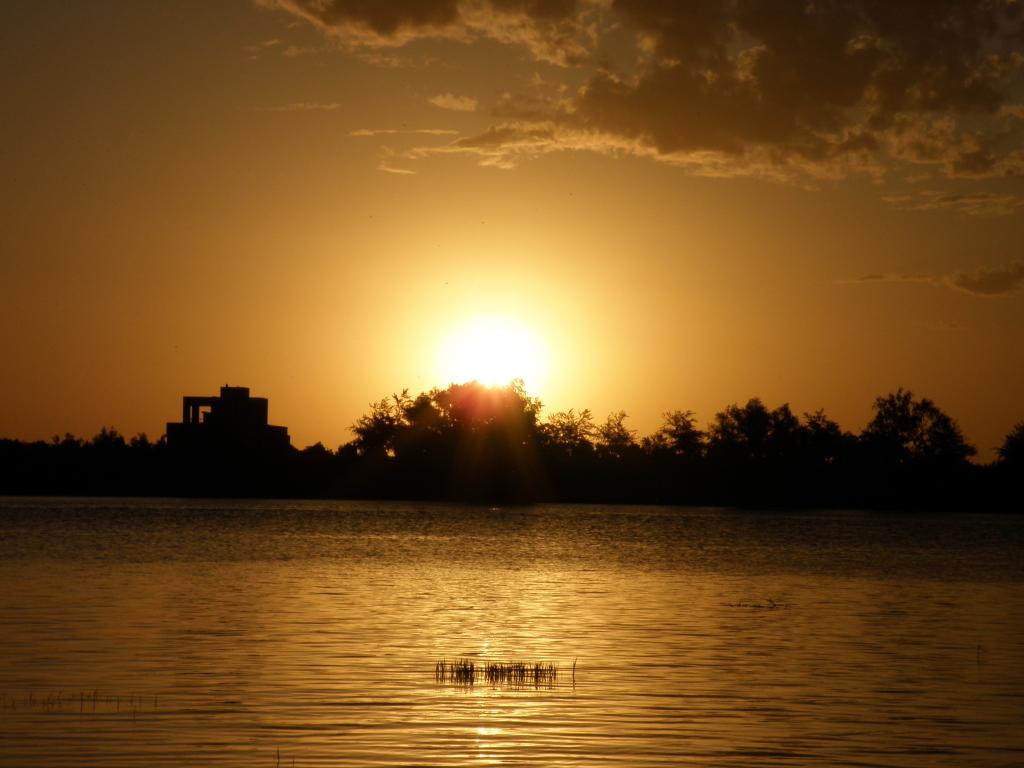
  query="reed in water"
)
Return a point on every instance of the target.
[{"x": 510, "y": 673}]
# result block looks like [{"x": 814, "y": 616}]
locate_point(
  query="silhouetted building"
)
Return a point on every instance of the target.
[{"x": 233, "y": 423}]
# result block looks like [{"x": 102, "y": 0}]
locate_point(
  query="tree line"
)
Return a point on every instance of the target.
[{"x": 470, "y": 442}]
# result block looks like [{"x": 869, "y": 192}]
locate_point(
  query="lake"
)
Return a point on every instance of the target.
[{"x": 257, "y": 633}]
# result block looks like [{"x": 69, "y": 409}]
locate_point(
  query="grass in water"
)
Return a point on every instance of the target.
[
  {"x": 515, "y": 674},
  {"x": 82, "y": 702}
]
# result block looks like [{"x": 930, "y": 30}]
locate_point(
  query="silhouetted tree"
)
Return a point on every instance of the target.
[
  {"x": 754, "y": 453},
  {"x": 614, "y": 439},
  {"x": 68, "y": 442},
  {"x": 377, "y": 431},
  {"x": 752, "y": 434},
  {"x": 313, "y": 471},
  {"x": 108, "y": 440},
  {"x": 566, "y": 448},
  {"x": 493, "y": 431},
  {"x": 675, "y": 462},
  {"x": 824, "y": 441},
  {"x": 905, "y": 430},
  {"x": 469, "y": 441},
  {"x": 424, "y": 417},
  {"x": 678, "y": 436},
  {"x": 464, "y": 441},
  {"x": 912, "y": 454},
  {"x": 1008, "y": 474},
  {"x": 1011, "y": 452},
  {"x": 570, "y": 432},
  {"x": 472, "y": 407}
]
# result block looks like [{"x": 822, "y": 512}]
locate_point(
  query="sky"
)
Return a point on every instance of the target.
[{"x": 647, "y": 206}]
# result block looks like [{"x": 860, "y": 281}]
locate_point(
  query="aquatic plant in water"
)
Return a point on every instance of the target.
[{"x": 516, "y": 674}]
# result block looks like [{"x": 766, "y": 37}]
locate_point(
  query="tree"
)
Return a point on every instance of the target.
[
  {"x": 68, "y": 443},
  {"x": 472, "y": 406},
  {"x": 570, "y": 432},
  {"x": 377, "y": 431},
  {"x": 678, "y": 436},
  {"x": 489, "y": 436},
  {"x": 753, "y": 434},
  {"x": 824, "y": 442},
  {"x": 904, "y": 430},
  {"x": 423, "y": 416},
  {"x": 614, "y": 438},
  {"x": 739, "y": 434},
  {"x": 108, "y": 440},
  {"x": 1011, "y": 452}
]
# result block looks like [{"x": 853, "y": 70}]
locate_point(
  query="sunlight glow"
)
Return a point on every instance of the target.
[{"x": 493, "y": 350}]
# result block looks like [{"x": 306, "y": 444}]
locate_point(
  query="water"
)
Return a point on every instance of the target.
[{"x": 169, "y": 633}]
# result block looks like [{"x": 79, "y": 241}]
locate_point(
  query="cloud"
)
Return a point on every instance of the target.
[
  {"x": 559, "y": 32},
  {"x": 819, "y": 89},
  {"x": 389, "y": 154},
  {"x": 263, "y": 46},
  {"x": 812, "y": 83},
  {"x": 506, "y": 145},
  {"x": 453, "y": 102},
  {"x": 556, "y": 31},
  {"x": 288, "y": 51},
  {"x": 303, "y": 106},
  {"x": 386, "y": 23},
  {"x": 995, "y": 281},
  {"x": 969, "y": 203},
  {"x": 294, "y": 51},
  {"x": 984, "y": 282},
  {"x": 889, "y": 277},
  {"x": 403, "y": 132},
  {"x": 383, "y": 166}
]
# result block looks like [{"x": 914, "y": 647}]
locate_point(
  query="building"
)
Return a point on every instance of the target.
[{"x": 232, "y": 424}]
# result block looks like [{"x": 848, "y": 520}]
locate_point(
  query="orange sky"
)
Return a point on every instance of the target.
[{"x": 689, "y": 204}]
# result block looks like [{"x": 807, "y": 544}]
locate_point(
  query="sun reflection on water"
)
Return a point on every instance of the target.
[{"x": 316, "y": 635}]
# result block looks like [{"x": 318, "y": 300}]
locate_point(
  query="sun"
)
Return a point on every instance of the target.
[{"x": 493, "y": 350}]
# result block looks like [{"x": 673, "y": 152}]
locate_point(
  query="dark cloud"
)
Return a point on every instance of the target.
[
  {"x": 774, "y": 87},
  {"x": 812, "y": 83},
  {"x": 991, "y": 281},
  {"x": 970, "y": 203},
  {"x": 878, "y": 277},
  {"x": 987, "y": 281},
  {"x": 403, "y": 131},
  {"x": 303, "y": 106},
  {"x": 552, "y": 30},
  {"x": 391, "y": 19}
]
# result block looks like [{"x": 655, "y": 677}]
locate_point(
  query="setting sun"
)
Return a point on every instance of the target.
[{"x": 493, "y": 351}]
